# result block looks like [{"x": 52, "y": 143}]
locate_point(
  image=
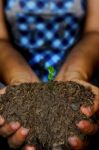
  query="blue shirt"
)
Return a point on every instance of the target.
[{"x": 45, "y": 30}]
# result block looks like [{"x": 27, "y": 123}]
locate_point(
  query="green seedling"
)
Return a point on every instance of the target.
[{"x": 51, "y": 72}]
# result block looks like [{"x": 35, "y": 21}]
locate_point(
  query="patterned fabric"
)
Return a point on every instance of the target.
[{"x": 45, "y": 30}]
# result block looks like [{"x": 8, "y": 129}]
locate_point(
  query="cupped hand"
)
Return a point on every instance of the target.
[
  {"x": 88, "y": 128},
  {"x": 13, "y": 131}
]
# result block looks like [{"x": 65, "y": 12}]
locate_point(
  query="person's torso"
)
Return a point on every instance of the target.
[{"x": 51, "y": 26}]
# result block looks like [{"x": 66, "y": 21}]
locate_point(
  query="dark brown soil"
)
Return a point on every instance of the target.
[{"x": 50, "y": 110}]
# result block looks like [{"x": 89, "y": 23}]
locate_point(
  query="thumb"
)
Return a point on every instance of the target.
[
  {"x": 71, "y": 75},
  {"x": 25, "y": 77},
  {"x": 3, "y": 90}
]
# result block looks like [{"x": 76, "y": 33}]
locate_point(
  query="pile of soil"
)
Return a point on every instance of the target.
[{"x": 50, "y": 110}]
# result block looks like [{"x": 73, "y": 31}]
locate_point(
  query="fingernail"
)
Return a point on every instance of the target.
[
  {"x": 15, "y": 125},
  {"x": 72, "y": 141},
  {"x": 24, "y": 131},
  {"x": 30, "y": 148},
  {"x": 1, "y": 120},
  {"x": 89, "y": 111},
  {"x": 80, "y": 124}
]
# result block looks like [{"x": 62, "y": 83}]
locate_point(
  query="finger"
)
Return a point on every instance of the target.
[
  {"x": 91, "y": 110},
  {"x": 87, "y": 127},
  {"x": 2, "y": 121},
  {"x": 77, "y": 144},
  {"x": 16, "y": 140},
  {"x": 8, "y": 129},
  {"x": 29, "y": 148}
]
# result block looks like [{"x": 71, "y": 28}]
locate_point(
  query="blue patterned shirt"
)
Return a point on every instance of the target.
[{"x": 45, "y": 30}]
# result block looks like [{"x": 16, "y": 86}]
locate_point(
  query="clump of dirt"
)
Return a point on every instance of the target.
[{"x": 50, "y": 110}]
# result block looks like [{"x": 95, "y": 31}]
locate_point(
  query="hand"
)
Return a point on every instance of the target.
[
  {"x": 13, "y": 131},
  {"x": 85, "y": 126}
]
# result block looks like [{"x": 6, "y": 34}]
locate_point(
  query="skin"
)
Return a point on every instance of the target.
[{"x": 78, "y": 67}]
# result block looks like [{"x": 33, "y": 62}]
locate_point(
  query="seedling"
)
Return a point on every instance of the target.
[{"x": 51, "y": 72}]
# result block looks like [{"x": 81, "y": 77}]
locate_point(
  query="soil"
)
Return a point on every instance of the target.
[{"x": 50, "y": 110}]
